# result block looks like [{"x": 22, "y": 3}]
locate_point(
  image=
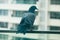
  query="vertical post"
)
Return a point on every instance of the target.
[
  {"x": 43, "y": 15},
  {"x": 43, "y": 10},
  {"x": 38, "y": 16},
  {"x": 9, "y": 18}
]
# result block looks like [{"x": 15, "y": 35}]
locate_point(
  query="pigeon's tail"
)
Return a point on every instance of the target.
[{"x": 21, "y": 29}]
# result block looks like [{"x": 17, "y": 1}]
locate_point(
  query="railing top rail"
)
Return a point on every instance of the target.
[{"x": 41, "y": 32}]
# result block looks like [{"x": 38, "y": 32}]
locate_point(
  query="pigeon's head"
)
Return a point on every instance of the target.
[{"x": 32, "y": 9}]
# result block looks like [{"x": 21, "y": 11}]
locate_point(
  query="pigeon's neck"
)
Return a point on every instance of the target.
[{"x": 31, "y": 11}]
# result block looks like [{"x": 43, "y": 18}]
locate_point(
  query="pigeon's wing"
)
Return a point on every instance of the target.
[
  {"x": 29, "y": 19},
  {"x": 22, "y": 20},
  {"x": 22, "y": 27}
]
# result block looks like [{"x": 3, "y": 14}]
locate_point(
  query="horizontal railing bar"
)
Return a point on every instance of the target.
[{"x": 41, "y": 32}]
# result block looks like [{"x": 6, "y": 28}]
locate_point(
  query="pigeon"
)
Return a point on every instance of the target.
[{"x": 27, "y": 20}]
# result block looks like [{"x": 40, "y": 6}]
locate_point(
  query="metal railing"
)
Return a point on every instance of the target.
[{"x": 43, "y": 32}]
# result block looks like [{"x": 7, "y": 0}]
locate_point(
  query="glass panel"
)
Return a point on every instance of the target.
[
  {"x": 3, "y": 24},
  {"x": 14, "y": 26},
  {"x": 55, "y": 15},
  {"x": 54, "y": 27},
  {"x": 3, "y": 37},
  {"x": 25, "y": 1},
  {"x": 29, "y": 36},
  {"x": 55, "y": 2},
  {"x": 29, "y": 2},
  {"x": 19, "y": 38},
  {"x": 18, "y": 13},
  {"x": 4, "y": 12}
]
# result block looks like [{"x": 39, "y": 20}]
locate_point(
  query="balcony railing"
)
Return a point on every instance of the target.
[
  {"x": 30, "y": 35},
  {"x": 43, "y": 32}
]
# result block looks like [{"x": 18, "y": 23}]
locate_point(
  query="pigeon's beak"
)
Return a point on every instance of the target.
[{"x": 36, "y": 8}]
